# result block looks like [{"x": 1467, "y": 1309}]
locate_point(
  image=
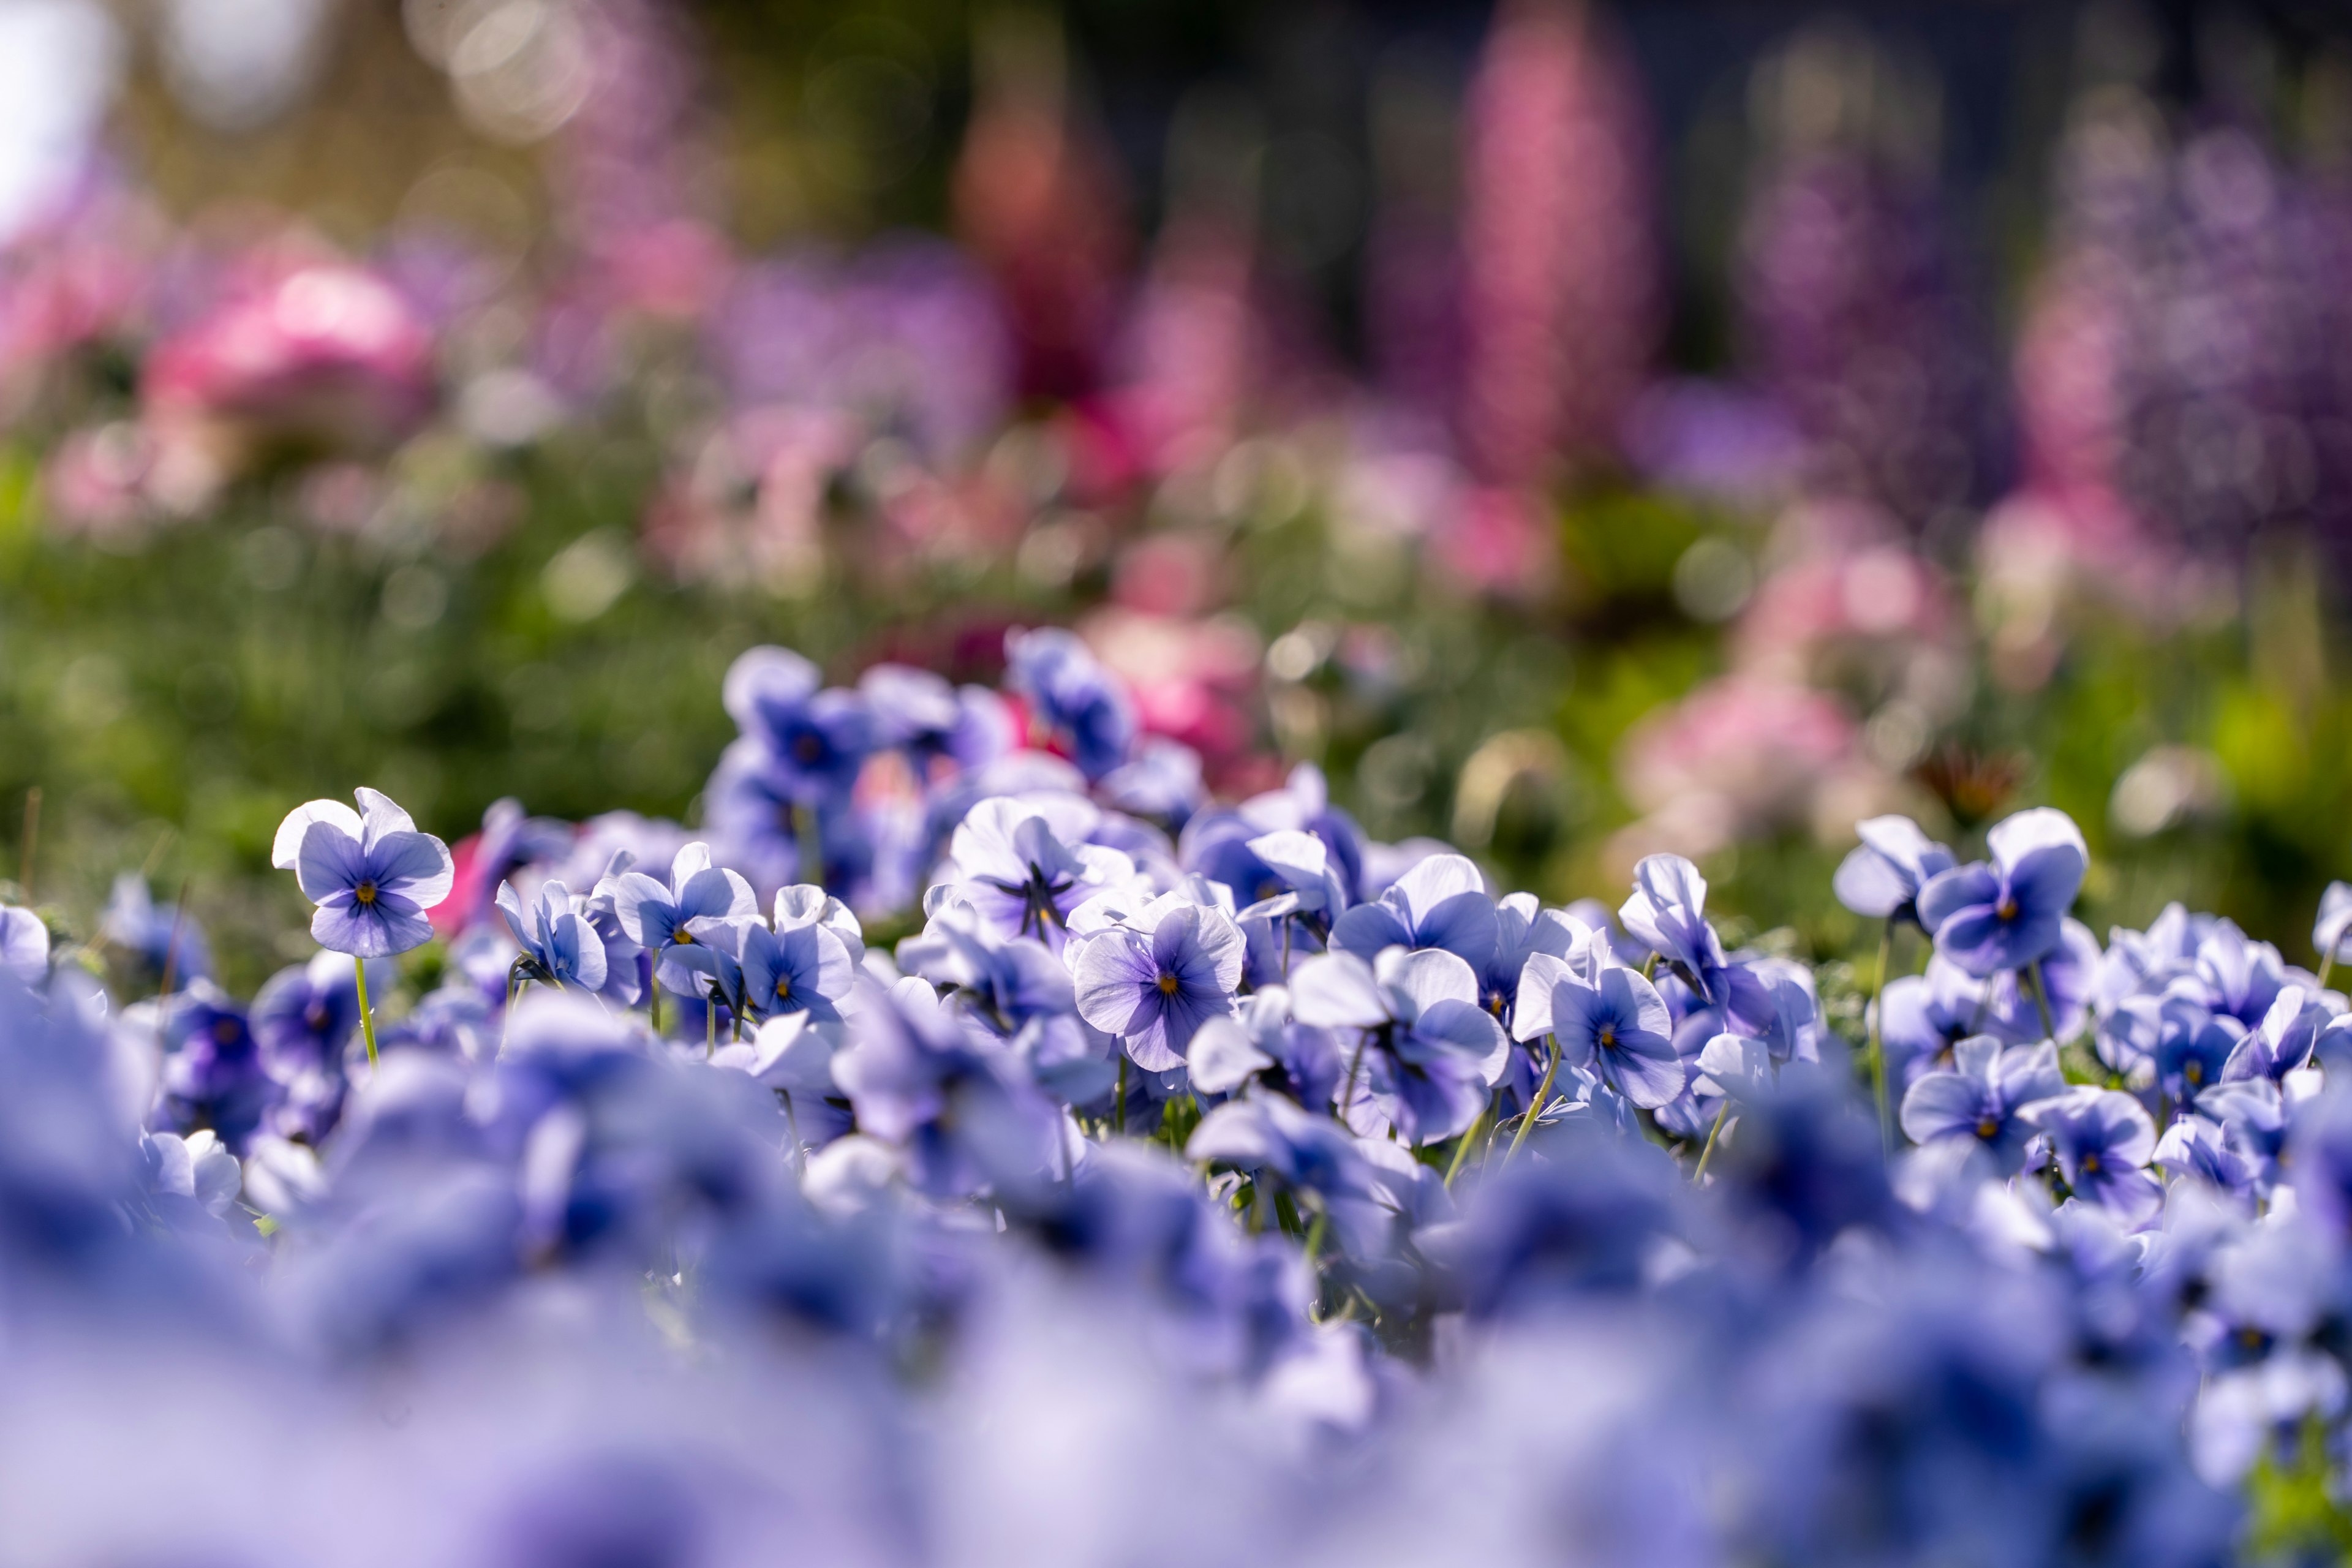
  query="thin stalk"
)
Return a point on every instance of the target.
[
  {"x": 1355, "y": 1065},
  {"x": 2040, "y": 1000},
  {"x": 32, "y": 838},
  {"x": 653, "y": 995},
  {"x": 2326, "y": 959},
  {"x": 367, "y": 1018},
  {"x": 1708, "y": 1153},
  {"x": 1878, "y": 1042},
  {"x": 1462, "y": 1149},
  {"x": 709, "y": 1027},
  {"x": 1118, "y": 1111},
  {"x": 172, "y": 943},
  {"x": 812, "y": 853},
  {"x": 1534, "y": 1108}
]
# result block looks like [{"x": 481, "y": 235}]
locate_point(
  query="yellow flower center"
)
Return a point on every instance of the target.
[
  {"x": 2194, "y": 1072},
  {"x": 2006, "y": 909},
  {"x": 365, "y": 892},
  {"x": 784, "y": 986},
  {"x": 1608, "y": 1034},
  {"x": 1168, "y": 983},
  {"x": 1987, "y": 1128},
  {"x": 2090, "y": 1161},
  {"x": 682, "y": 937}
]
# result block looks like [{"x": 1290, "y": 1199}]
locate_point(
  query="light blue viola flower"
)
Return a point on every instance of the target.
[
  {"x": 657, "y": 915},
  {"x": 2197, "y": 1147},
  {"x": 803, "y": 968},
  {"x": 559, "y": 946},
  {"x": 2330, "y": 931},
  {"x": 1428, "y": 1052},
  {"x": 1667, "y": 912},
  {"x": 1882, "y": 876},
  {"x": 1080, "y": 702},
  {"x": 1980, "y": 1102},
  {"x": 24, "y": 944},
  {"x": 814, "y": 740},
  {"x": 2102, "y": 1140},
  {"x": 162, "y": 936},
  {"x": 2283, "y": 1041},
  {"x": 2006, "y": 914},
  {"x": 370, "y": 872},
  {"x": 1615, "y": 1024},
  {"x": 2242, "y": 976},
  {"x": 1023, "y": 864},
  {"x": 1154, "y": 988},
  {"x": 1440, "y": 902}
]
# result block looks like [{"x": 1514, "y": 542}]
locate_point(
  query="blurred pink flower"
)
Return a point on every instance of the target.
[
  {"x": 1039, "y": 201},
  {"x": 1740, "y": 757},
  {"x": 322, "y": 354},
  {"x": 1499, "y": 541},
  {"x": 749, "y": 505},
  {"x": 1562, "y": 310},
  {"x": 1193, "y": 680}
]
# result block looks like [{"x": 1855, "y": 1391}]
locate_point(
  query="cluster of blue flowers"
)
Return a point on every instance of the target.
[{"x": 1204, "y": 1183}]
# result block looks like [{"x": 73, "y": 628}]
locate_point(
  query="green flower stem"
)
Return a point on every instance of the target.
[
  {"x": 1878, "y": 1042},
  {"x": 1708, "y": 1153},
  {"x": 1462, "y": 1149},
  {"x": 2041, "y": 999},
  {"x": 1535, "y": 1107},
  {"x": 367, "y": 1019}
]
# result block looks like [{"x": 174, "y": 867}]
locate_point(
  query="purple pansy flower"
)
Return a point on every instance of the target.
[
  {"x": 24, "y": 944},
  {"x": 1440, "y": 902},
  {"x": 816, "y": 740},
  {"x": 559, "y": 946},
  {"x": 1882, "y": 876},
  {"x": 1979, "y": 1100},
  {"x": 1431, "y": 1052},
  {"x": 656, "y": 915},
  {"x": 1155, "y": 989},
  {"x": 2004, "y": 915},
  {"x": 1073, "y": 696},
  {"x": 1616, "y": 1023},
  {"x": 2335, "y": 923},
  {"x": 370, "y": 872},
  {"x": 2102, "y": 1140}
]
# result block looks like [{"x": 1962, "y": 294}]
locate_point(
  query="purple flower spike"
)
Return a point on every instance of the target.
[
  {"x": 1989, "y": 918},
  {"x": 1883, "y": 875},
  {"x": 1154, "y": 991},
  {"x": 2103, "y": 1140},
  {"x": 370, "y": 872},
  {"x": 1619, "y": 1026}
]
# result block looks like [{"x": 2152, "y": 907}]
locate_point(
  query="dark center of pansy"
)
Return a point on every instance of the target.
[
  {"x": 2194, "y": 1072},
  {"x": 809, "y": 748},
  {"x": 225, "y": 1030},
  {"x": 2091, "y": 1162},
  {"x": 1168, "y": 983},
  {"x": 683, "y": 937},
  {"x": 1988, "y": 1128},
  {"x": 2006, "y": 909},
  {"x": 784, "y": 987},
  {"x": 1495, "y": 1002},
  {"x": 365, "y": 892},
  {"x": 1608, "y": 1036}
]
